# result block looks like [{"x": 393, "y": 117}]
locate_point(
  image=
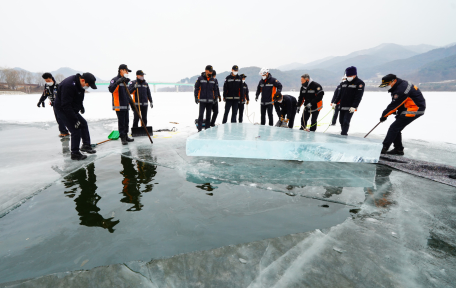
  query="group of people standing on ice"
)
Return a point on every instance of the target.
[
  {"x": 407, "y": 103},
  {"x": 66, "y": 98}
]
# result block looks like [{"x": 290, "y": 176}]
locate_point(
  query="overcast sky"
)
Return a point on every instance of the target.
[{"x": 170, "y": 40}]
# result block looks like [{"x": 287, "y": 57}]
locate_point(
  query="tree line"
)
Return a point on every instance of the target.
[{"x": 14, "y": 78}]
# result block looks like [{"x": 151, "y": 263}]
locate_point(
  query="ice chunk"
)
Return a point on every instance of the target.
[{"x": 266, "y": 142}]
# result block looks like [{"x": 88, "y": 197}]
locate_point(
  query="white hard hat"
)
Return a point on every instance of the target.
[{"x": 263, "y": 71}]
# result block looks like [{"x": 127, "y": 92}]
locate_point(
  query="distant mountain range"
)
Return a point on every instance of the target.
[
  {"x": 65, "y": 71},
  {"x": 418, "y": 63}
]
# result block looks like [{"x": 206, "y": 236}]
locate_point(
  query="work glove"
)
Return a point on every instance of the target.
[
  {"x": 77, "y": 125},
  {"x": 83, "y": 110},
  {"x": 151, "y": 105},
  {"x": 309, "y": 106},
  {"x": 197, "y": 100},
  {"x": 298, "y": 109},
  {"x": 352, "y": 109},
  {"x": 40, "y": 103},
  {"x": 382, "y": 119},
  {"x": 333, "y": 106},
  {"x": 256, "y": 99},
  {"x": 220, "y": 99}
]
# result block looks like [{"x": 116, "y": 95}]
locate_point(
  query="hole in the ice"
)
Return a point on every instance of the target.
[
  {"x": 324, "y": 206},
  {"x": 355, "y": 211},
  {"x": 206, "y": 187}
]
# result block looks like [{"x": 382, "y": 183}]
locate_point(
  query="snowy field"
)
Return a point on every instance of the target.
[{"x": 181, "y": 108}]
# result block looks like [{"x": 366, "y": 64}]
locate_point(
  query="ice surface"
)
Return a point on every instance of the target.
[{"x": 267, "y": 142}]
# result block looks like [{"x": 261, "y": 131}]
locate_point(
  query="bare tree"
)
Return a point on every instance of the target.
[
  {"x": 59, "y": 78},
  {"x": 21, "y": 75},
  {"x": 11, "y": 78},
  {"x": 2, "y": 76},
  {"x": 37, "y": 79},
  {"x": 29, "y": 78}
]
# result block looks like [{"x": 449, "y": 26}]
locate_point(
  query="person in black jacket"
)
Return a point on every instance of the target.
[
  {"x": 244, "y": 100},
  {"x": 352, "y": 93},
  {"x": 408, "y": 104},
  {"x": 50, "y": 90},
  {"x": 121, "y": 101},
  {"x": 68, "y": 104},
  {"x": 285, "y": 106},
  {"x": 140, "y": 86},
  {"x": 334, "y": 105},
  {"x": 267, "y": 86},
  {"x": 233, "y": 91},
  {"x": 205, "y": 96},
  {"x": 311, "y": 95},
  {"x": 215, "y": 106}
]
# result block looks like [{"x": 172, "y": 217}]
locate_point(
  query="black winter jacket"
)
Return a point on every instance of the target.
[
  {"x": 268, "y": 88},
  {"x": 246, "y": 93},
  {"x": 407, "y": 100},
  {"x": 351, "y": 94},
  {"x": 311, "y": 93},
  {"x": 144, "y": 92},
  {"x": 120, "y": 98},
  {"x": 50, "y": 92},
  {"x": 233, "y": 88},
  {"x": 286, "y": 107},
  {"x": 70, "y": 97},
  {"x": 205, "y": 88}
]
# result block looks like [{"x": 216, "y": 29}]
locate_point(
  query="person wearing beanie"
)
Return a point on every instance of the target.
[
  {"x": 242, "y": 102},
  {"x": 311, "y": 95},
  {"x": 215, "y": 106},
  {"x": 285, "y": 106},
  {"x": 407, "y": 103},
  {"x": 50, "y": 90},
  {"x": 350, "y": 97},
  {"x": 142, "y": 96},
  {"x": 233, "y": 92},
  {"x": 68, "y": 104},
  {"x": 205, "y": 96}
]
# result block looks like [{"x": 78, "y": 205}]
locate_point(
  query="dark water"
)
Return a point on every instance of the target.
[{"x": 119, "y": 209}]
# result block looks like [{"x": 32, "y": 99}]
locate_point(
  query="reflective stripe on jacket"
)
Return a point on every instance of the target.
[
  {"x": 312, "y": 93},
  {"x": 144, "y": 92},
  {"x": 205, "y": 88},
  {"x": 268, "y": 88},
  {"x": 407, "y": 100},
  {"x": 120, "y": 98}
]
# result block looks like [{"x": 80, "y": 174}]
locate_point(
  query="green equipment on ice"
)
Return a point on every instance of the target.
[{"x": 113, "y": 136}]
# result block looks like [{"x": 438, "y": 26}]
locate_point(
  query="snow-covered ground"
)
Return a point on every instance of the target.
[{"x": 434, "y": 126}]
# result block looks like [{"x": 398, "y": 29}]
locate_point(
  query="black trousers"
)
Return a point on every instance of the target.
[
  {"x": 267, "y": 108},
  {"x": 215, "y": 110},
  {"x": 344, "y": 120},
  {"x": 208, "y": 108},
  {"x": 313, "y": 121},
  {"x": 336, "y": 113},
  {"x": 241, "y": 112},
  {"x": 394, "y": 134},
  {"x": 144, "y": 109},
  {"x": 62, "y": 128},
  {"x": 122, "y": 122},
  {"x": 76, "y": 134},
  {"x": 291, "y": 118},
  {"x": 231, "y": 104}
]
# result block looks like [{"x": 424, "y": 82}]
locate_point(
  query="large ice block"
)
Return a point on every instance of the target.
[{"x": 267, "y": 142}]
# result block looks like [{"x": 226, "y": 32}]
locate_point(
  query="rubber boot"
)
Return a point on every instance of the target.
[
  {"x": 78, "y": 156},
  {"x": 384, "y": 150},
  {"x": 396, "y": 151},
  {"x": 124, "y": 141},
  {"x": 130, "y": 139},
  {"x": 88, "y": 149}
]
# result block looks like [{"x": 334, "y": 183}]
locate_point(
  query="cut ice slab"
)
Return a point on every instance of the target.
[{"x": 267, "y": 142}]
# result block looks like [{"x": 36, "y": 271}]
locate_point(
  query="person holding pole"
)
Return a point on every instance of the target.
[{"x": 407, "y": 103}]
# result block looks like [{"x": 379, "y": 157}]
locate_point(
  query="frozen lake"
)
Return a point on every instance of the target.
[{"x": 290, "y": 222}]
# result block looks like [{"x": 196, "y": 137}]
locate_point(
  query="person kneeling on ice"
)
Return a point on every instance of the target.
[
  {"x": 68, "y": 104},
  {"x": 408, "y": 104},
  {"x": 205, "y": 89},
  {"x": 349, "y": 98},
  {"x": 142, "y": 96},
  {"x": 285, "y": 105},
  {"x": 121, "y": 101},
  {"x": 311, "y": 95},
  {"x": 50, "y": 90}
]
